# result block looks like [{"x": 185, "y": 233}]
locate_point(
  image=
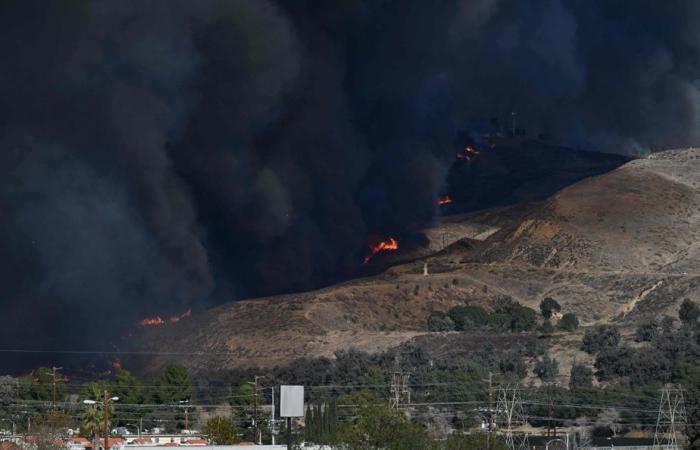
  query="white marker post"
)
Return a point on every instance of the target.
[{"x": 291, "y": 405}]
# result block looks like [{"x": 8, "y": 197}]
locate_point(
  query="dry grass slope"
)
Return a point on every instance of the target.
[{"x": 618, "y": 247}]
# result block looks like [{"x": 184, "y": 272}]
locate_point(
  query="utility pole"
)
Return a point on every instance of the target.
[
  {"x": 105, "y": 416},
  {"x": 53, "y": 386},
  {"x": 105, "y": 413},
  {"x": 671, "y": 419},
  {"x": 273, "y": 431},
  {"x": 489, "y": 411},
  {"x": 255, "y": 412}
]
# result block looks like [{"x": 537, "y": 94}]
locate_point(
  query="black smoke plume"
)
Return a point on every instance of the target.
[{"x": 156, "y": 155}]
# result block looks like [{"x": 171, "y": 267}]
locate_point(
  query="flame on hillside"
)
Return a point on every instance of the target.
[
  {"x": 444, "y": 200},
  {"x": 157, "y": 320},
  {"x": 389, "y": 244}
]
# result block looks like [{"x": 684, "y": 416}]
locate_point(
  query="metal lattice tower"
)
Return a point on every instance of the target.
[
  {"x": 671, "y": 419},
  {"x": 400, "y": 394},
  {"x": 509, "y": 414}
]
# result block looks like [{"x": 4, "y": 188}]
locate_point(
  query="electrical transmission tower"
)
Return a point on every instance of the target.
[
  {"x": 509, "y": 414},
  {"x": 671, "y": 419},
  {"x": 400, "y": 394}
]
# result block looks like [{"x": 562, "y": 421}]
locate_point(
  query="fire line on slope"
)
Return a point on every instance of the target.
[{"x": 389, "y": 244}]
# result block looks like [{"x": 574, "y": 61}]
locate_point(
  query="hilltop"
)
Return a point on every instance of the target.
[{"x": 614, "y": 248}]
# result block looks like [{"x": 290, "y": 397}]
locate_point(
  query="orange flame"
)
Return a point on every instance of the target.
[
  {"x": 444, "y": 200},
  {"x": 390, "y": 244},
  {"x": 157, "y": 320}
]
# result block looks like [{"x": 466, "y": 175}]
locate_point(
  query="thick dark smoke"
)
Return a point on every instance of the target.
[{"x": 156, "y": 155}]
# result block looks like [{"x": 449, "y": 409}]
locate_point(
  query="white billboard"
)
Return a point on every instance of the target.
[{"x": 291, "y": 401}]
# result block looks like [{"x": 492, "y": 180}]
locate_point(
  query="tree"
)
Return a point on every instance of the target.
[
  {"x": 548, "y": 307},
  {"x": 581, "y": 377},
  {"x": 91, "y": 419},
  {"x": 547, "y": 368},
  {"x": 174, "y": 385},
  {"x": 221, "y": 431},
  {"x": 467, "y": 316},
  {"x": 439, "y": 321},
  {"x": 523, "y": 318},
  {"x": 646, "y": 331},
  {"x": 9, "y": 389},
  {"x": 321, "y": 422},
  {"x": 568, "y": 322},
  {"x": 504, "y": 304},
  {"x": 376, "y": 426},
  {"x": 128, "y": 388},
  {"x": 49, "y": 429},
  {"x": 600, "y": 337},
  {"x": 40, "y": 385},
  {"x": 689, "y": 376},
  {"x": 689, "y": 312},
  {"x": 91, "y": 422},
  {"x": 513, "y": 366},
  {"x": 546, "y": 327}
]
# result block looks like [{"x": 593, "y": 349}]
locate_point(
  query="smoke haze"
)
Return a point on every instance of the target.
[{"x": 156, "y": 155}]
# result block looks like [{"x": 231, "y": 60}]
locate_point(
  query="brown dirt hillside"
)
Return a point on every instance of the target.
[{"x": 613, "y": 248}]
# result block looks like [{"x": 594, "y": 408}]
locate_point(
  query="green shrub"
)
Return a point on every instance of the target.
[
  {"x": 439, "y": 321},
  {"x": 599, "y": 338},
  {"x": 581, "y": 377},
  {"x": 546, "y": 327},
  {"x": 547, "y": 368},
  {"x": 647, "y": 331},
  {"x": 523, "y": 318},
  {"x": 568, "y": 322},
  {"x": 689, "y": 312},
  {"x": 469, "y": 316}
]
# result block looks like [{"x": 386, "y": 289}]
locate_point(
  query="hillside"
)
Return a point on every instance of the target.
[{"x": 618, "y": 247}]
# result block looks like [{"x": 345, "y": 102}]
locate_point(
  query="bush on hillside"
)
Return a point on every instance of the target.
[
  {"x": 568, "y": 322},
  {"x": 599, "y": 338}
]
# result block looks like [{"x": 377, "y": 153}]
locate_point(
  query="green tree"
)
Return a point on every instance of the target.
[
  {"x": 581, "y": 377},
  {"x": 600, "y": 337},
  {"x": 568, "y": 322},
  {"x": 91, "y": 422},
  {"x": 546, "y": 327},
  {"x": 439, "y": 321},
  {"x": 321, "y": 422},
  {"x": 646, "y": 331},
  {"x": 174, "y": 385},
  {"x": 221, "y": 431},
  {"x": 523, "y": 319},
  {"x": 376, "y": 426},
  {"x": 468, "y": 316},
  {"x": 512, "y": 366},
  {"x": 689, "y": 312},
  {"x": 40, "y": 385},
  {"x": 547, "y": 368},
  {"x": 548, "y": 307},
  {"x": 689, "y": 376},
  {"x": 9, "y": 389},
  {"x": 128, "y": 388},
  {"x": 91, "y": 419}
]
